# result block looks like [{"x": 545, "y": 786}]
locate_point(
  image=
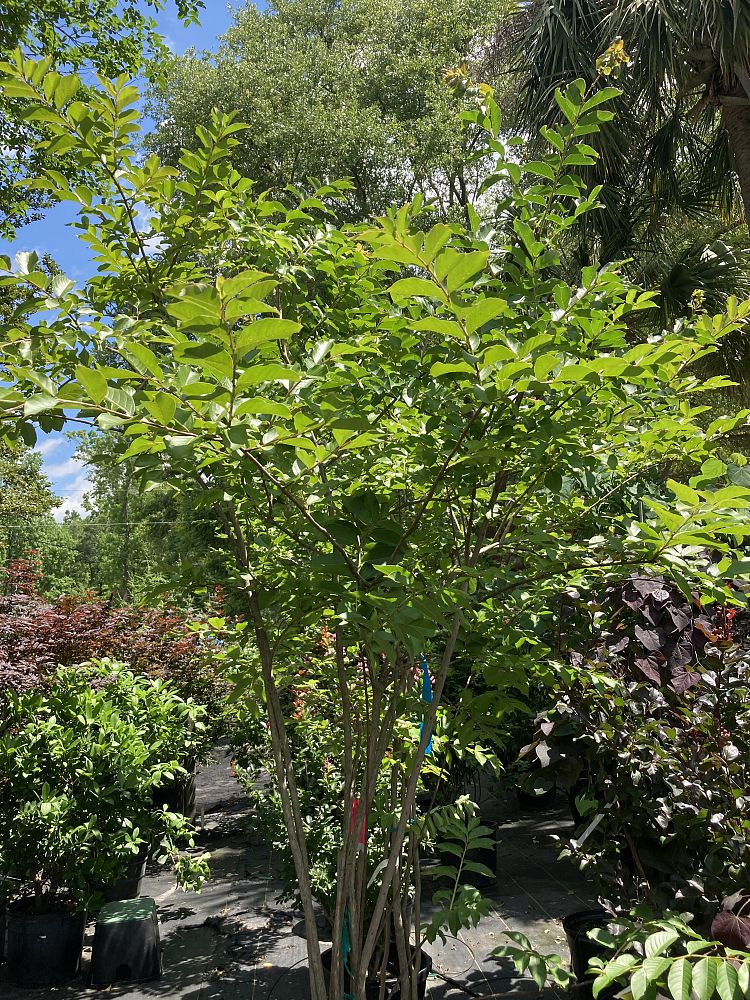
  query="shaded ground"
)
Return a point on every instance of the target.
[{"x": 233, "y": 941}]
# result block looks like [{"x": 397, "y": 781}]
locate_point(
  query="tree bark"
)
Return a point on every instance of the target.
[{"x": 735, "y": 116}]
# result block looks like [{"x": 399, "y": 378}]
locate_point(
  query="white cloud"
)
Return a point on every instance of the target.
[
  {"x": 50, "y": 445},
  {"x": 74, "y": 496},
  {"x": 64, "y": 470}
]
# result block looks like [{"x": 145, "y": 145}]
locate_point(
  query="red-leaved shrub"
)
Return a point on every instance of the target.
[{"x": 36, "y": 637}]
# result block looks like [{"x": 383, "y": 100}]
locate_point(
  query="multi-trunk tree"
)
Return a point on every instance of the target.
[{"x": 411, "y": 433}]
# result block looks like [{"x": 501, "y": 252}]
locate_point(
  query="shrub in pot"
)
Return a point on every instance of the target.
[
  {"x": 666, "y": 753},
  {"x": 79, "y": 763}
]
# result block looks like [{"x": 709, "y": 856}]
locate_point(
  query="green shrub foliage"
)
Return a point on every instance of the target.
[{"x": 82, "y": 768}]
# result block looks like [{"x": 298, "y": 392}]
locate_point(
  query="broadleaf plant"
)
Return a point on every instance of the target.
[{"x": 405, "y": 432}]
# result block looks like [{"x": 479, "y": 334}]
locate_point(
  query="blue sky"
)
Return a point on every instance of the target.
[{"x": 52, "y": 235}]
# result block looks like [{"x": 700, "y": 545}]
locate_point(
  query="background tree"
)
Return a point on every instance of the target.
[
  {"x": 107, "y": 36},
  {"x": 25, "y": 496},
  {"x": 675, "y": 163},
  {"x": 130, "y": 542},
  {"x": 337, "y": 90}
]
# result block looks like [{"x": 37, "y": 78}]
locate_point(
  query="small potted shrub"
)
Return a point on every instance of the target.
[{"x": 79, "y": 762}]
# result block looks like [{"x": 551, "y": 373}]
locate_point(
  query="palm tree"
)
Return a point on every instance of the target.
[{"x": 677, "y": 157}]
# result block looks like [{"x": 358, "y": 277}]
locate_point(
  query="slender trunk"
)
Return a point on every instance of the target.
[
  {"x": 289, "y": 801},
  {"x": 125, "y": 518},
  {"x": 399, "y": 834},
  {"x": 735, "y": 114}
]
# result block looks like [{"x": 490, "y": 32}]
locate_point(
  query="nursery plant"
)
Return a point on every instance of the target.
[
  {"x": 386, "y": 423},
  {"x": 81, "y": 768},
  {"x": 651, "y": 956},
  {"x": 650, "y": 731}
]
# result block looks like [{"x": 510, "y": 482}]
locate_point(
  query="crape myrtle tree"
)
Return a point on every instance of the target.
[{"x": 410, "y": 434}]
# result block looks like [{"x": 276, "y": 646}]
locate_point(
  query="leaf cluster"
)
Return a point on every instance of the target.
[{"x": 82, "y": 765}]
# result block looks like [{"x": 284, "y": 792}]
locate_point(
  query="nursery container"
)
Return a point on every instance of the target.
[
  {"x": 393, "y": 987},
  {"x": 43, "y": 949},
  {"x": 129, "y": 886},
  {"x": 179, "y": 794},
  {"x": 582, "y": 949}
]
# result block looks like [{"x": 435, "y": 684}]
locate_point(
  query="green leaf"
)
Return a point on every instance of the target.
[
  {"x": 456, "y": 269},
  {"x": 684, "y": 493},
  {"x": 259, "y": 405},
  {"x": 639, "y": 985},
  {"x": 613, "y": 971},
  {"x": 267, "y": 373},
  {"x": 206, "y": 356},
  {"x": 26, "y": 261},
  {"x": 406, "y": 288},
  {"x": 538, "y": 969},
  {"x": 655, "y": 966},
  {"x": 661, "y": 941},
  {"x": 198, "y": 306},
  {"x": 553, "y": 481},
  {"x": 713, "y": 468},
  {"x": 142, "y": 358},
  {"x": 739, "y": 474},
  {"x": 93, "y": 382},
  {"x": 570, "y": 110},
  {"x": 108, "y": 421},
  {"x": 482, "y": 312},
  {"x": 163, "y": 408},
  {"x": 679, "y": 979},
  {"x": 262, "y": 331},
  {"x": 445, "y": 327},
  {"x": 458, "y": 368},
  {"x": 727, "y": 984},
  {"x": 704, "y": 978},
  {"x": 601, "y": 97},
  {"x": 39, "y": 404}
]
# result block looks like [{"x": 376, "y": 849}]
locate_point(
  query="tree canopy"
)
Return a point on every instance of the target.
[
  {"x": 107, "y": 36},
  {"x": 336, "y": 90}
]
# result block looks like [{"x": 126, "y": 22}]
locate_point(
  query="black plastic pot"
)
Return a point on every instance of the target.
[
  {"x": 535, "y": 801},
  {"x": 129, "y": 886},
  {"x": 393, "y": 987},
  {"x": 582, "y": 949},
  {"x": 179, "y": 795},
  {"x": 43, "y": 949}
]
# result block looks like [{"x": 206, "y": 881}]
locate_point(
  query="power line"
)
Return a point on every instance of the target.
[{"x": 97, "y": 524}]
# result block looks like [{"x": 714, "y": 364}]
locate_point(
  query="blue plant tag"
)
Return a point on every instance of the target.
[{"x": 426, "y": 697}]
